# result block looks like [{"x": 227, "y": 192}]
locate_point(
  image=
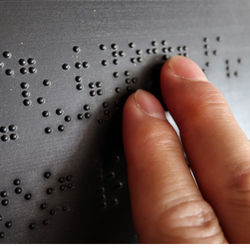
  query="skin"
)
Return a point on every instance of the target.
[{"x": 167, "y": 205}]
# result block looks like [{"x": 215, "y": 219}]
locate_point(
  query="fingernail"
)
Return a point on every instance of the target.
[
  {"x": 186, "y": 68},
  {"x": 149, "y": 104}
]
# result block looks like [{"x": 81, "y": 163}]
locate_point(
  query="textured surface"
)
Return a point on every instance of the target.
[{"x": 66, "y": 68}]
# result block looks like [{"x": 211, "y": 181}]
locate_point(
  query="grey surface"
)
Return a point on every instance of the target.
[{"x": 47, "y": 31}]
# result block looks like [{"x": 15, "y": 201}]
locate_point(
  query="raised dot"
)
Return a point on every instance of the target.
[
  {"x": 102, "y": 47},
  {"x": 31, "y": 61},
  {"x": 133, "y": 60},
  {"x": 164, "y": 50},
  {"x": 205, "y": 39},
  {"x": 12, "y": 128},
  {"x": 76, "y": 49},
  {"x": 101, "y": 190},
  {"x": 154, "y": 43},
  {"x": 105, "y": 104},
  {"x": 186, "y": 55},
  {"x": 215, "y": 52},
  {"x": 85, "y": 65},
  {"x": 129, "y": 89},
  {"x": 2, "y": 234},
  {"x": 46, "y": 113},
  {"x": 24, "y": 71},
  {"x": 115, "y": 54},
  {"x": 47, "y": 175},
  {"x": 6, "y": 54},
  {"x": 48, "y": 130},
  {"x": 227, "y": 68},
  {"x": 139, "y": 52},
  {"x": 24, "y": 85},
  {"x": 3, "y": 129},
  {"x": 4, "y": 138},
  {"x": 92, "y": 93},
  {"x": 149, "y": 51},
  {"x": 1, "y": 65},
  {"x": 1, "y": 217},
  {"x": 65, "y": 208},
  {"x": 103, "y": 205},
  {"x": 98, "y": 84},
  {"x": 18, "y": 190},
  {"x": 207, "y": 64},
  {"x": 121, "y": 53},
  {"x": 239, "y": 60},
  {"x": 8, "y": 224},
  {"x": 25, "y": 93},
  {"x": 62, "y": 187},
  {"x": 100, "y": 121},
  {"x": 132, "y": 45},
  {"x": 9, "y": 72},
  {"x": 80, "y": 116},
  {"x": 65, "y": 66},
  {"x": 99, "y": 92},
  {"x": 78, "y": 79},
  {"x": 22, "y": 62},
  {"x": 86, "y": 107},
  {"x": 218, "y": 39},
  {"x": 118, "y": 185},
  {"x": 134, "y": 80},
  {"x": 59, "y": 112},
  {"x": 179, "y": 48},
  {"x": 114, "y": 201},
  {"x": 117, "y": 90},
  {"x": 91, "y": 85},
  {"x": 128, "y": 80},
  {"x": 3, "y": 193},
  {"x": 207, "y": 53},
  {"x": 228, "y": 74},
  {"x": 115, "y": 61},
  {"x": 67, "y": 118},
  {"x": 79, "y": 87},
  {"x": 46, "y": 83},
  {"x": 27, "y": 196},
  {"x": 116, "y": 74},
  {"x": 104, "y": 63},
  {"x": 166, "y": 57},
  {"x": 106, "y": 112},
  {"x": 139, "y": 59},
  {"x": 70, "y": 185},
  {"x": 40, "y": 100},
  {"x": 155, "y": 51},
  {"x": 78, "y": 65},
  {"x": 13, "y": 137},
  {"x": 227, "y": 61},
  {"x": 164, "y": 43},
  {"x": 114, "y": 46},
  {"x": 32, "y": 226},
  {"x": 69, "y": 178},
  {"x": 236, "y": 73},
  {"x": 171, "y": 49},
  {"x": 49, "y": 190},
  {"x": 17, "y": 182},
  {"x": 185, "y": 48},
  {"x": 61, "y": 128},
  {"x": 32, "y": 70},
  {"x": 5, "y": 202},
  {"x": 206, "y": 46},
  {"x": 46, "y": 222},
  {"x": 43, "y": 206},
  {"x": 52, "y": 212}
]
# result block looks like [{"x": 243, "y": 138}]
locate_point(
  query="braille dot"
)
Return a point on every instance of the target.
[
  {"x": 1, "y": 65},
  {"x": 121, "y": 53},
  {"x": 32, "y": 70},
  {"x": 25, "y": 93},
  {"x": 128, "y": 80},
  {"x": 205, "y": 39},
  {"x": 48, "y": 130},
  {"x": 24, "y": 85},
  {"x": 118, "y": 90},
  {"x": 6, "y": 54},
  {"x": 86, "y": 107},
  {"x": 101, "y": 190},
  {"x": 103, "y": 205},
  {"x": 204, "y": 70},
  {"x": 3, "y": 129},
  {"x": 46, "y": 83},
  {"x": 207, "y": 53},
  {"x": 133, "y": 60},
  {"x": 179, "y": 54},
  {"x": 99, "y": 177},
  {"x": 116, "y": 74},
  {"x": 100, "y": 121},
  {"x": 41, "y": 100},
  {"x": 106, "y": 119},
  {"x": 67, "y": 118},
  {"x": 170, "y": 49},
  {"x": 98, "y": 84},
  {"x": 155, "y": 51},
  {"x": 52, "y": 212},
  {"x": 27, "y": 196},
  {"x": 18, "y": 190},
  {"x": 91, "y": 85},
  {"x": 4, "y": 138},
  {"x": 154, "y": 43},
  {"x": 22, "y": 62},
  {"x": 5, "y": 202},
  {"x": 228, "y": 74},
  {"x": 79, "y": 87},
  {"x": 138, "y": 52},
  {"x": 1, "y": 217},
  {"x": 61, "y": 128},
  {"x": 62, "y": 187},
  {"x": 65, "y": 66},
  {"x": 87, "y": 115},
  {"x": 49, "y": 190},
  {"x": 70, "y": 185},
  {"x": 185, "y": 48},
  {"x": 59, "y": 111},
  {"x": 80, "y": 116},
  {"x": 46, "y": 113},
  {"x": 166, "y": 57},
  {"x": 129, "y": 89},
  {"x": 102, "y": 47},
  {"x": 31, "y": 61},
  {"x": 236, "y": 73},
  {"x": 47, "y": 175},
  {"x": 218, "y": 39},
  {"x": 105, "y": 104},
  {"x": 207, "y": 64},
  {"x": 13, "y": 137},
  {"x": 17, "y": 182},
  {"x": 92, "y": 93},
  {"x": 9, "y": 72},
  {"x": 23, "y": 71},
  {"x": 227, "y": 61},
  {"x": 114, "y": 46},
  {"x": 85, "y": 65},
  {"x": 134, "y": 80},
  {"x": 104, "y": 63},
  {"x": 206, "y": 46},
  {"x": 65, "y": 208},
  {"x": 78, "y": 65},
  {"x": 215, "y": 52},
  {"x": 46, "y": 222},
  {"x": 12, "y": 128},
  {"x": 110, "y": 175},
  {"x": 115, "y": 61},
  {"x": 132, "y": 45},
  {"x": 61, "y": 180},
  {"x": 164, "y": 50},
  {"x": 149, "y": 51},
  {"x": 139, "y": 59},
  {"x": 227, "y": 68},
  {"x": 164, "y": 42},
  {"x": 43, "y": 206},
  {"x": 186, "y": 55},
  {"x": 118, "y": 185},
  {"x": 115, "y": 54},
  {"x": 69, "y": 178},
  {"x": 2, "y": 234},
  {"x": 106, "y": 112},
  {"x": 3, "y": 193},
  {"x": 239, "y": 60},
  {"x": 8, "y": 224},
  {"x": 179, "y": 48},
  {"x": 76, "y": 49},
  {"x": 99, "y": 92},
  {"x": 32, "y": 226},
  {"x": 78, "y": 79},
  {"x": 114, "y": 201}
]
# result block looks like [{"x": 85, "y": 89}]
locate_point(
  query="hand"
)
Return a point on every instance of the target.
[{"x": 167, "y": 205}]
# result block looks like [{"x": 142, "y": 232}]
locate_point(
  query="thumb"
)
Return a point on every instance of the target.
[{"x": 167, "y": 206}]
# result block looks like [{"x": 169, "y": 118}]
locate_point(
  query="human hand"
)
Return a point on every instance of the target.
[{"x": 167, "y": 206}]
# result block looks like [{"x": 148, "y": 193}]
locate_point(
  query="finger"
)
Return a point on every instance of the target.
[
  {"x": 217, "y": 149},
  {"x": 166, "y": 204}
]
